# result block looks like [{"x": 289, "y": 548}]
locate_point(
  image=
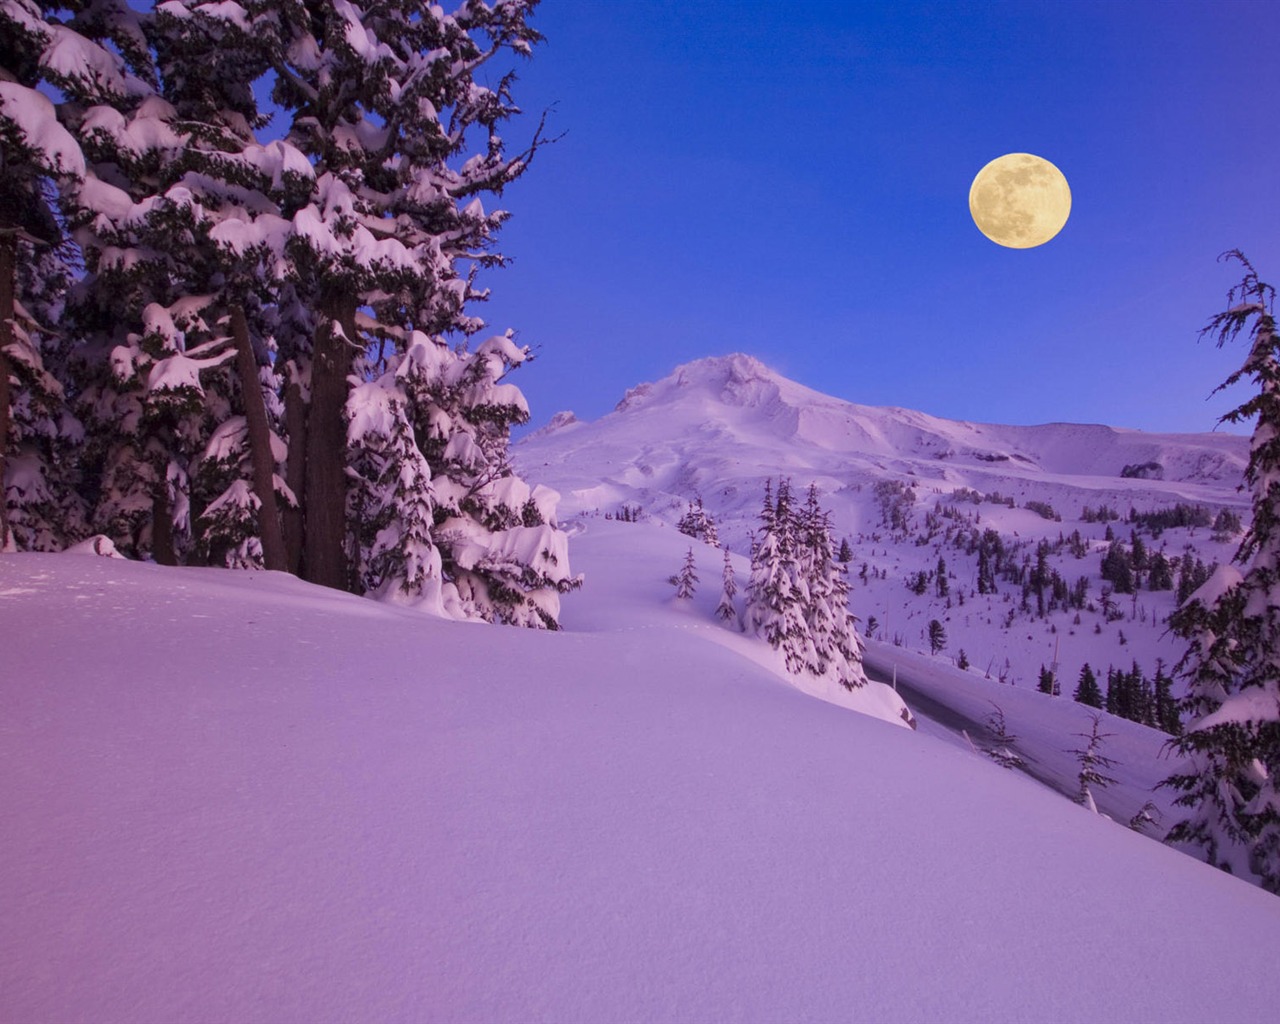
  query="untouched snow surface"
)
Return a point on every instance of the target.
[{"x": 233, "y": 796}]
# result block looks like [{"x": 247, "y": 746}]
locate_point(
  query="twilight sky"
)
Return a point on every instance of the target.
[{"x": 791, "y": 181}]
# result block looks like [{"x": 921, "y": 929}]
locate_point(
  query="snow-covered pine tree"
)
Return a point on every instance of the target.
[
  {"x": 1093, "y": 762},
  {"x": 1232, "y": 625},
  {"x": 834, "y": 645},
  {"x": 726, "y": 609},
  {"x": 97, "y": 59},
  {"x": 367, "y": 225},
  {"x": 1223, "y": 772},
  {"x": 686, "y": 580},
  {"x": 777, "y": 591},
  {"x": 386, "y": 104},
  {"x": 698, "y": 523},
  {"x": 38, "y": 507},
  {"x": 1002, "y": 750}
]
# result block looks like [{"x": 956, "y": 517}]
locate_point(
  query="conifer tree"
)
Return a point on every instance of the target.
[
  {"x": 39, "y": 158},
  {"x": 1232, "y": 627},
  {"x": 1093, "y": 763},
  {"x": 776, "y": 593},
  {"x": 686, "y": 580},
  {"x": 1087, "y": 689},
  {"x": 1046, "y": 682},
  {"x": 95, "y": 62},
  {"x": 289, "y": 323},
  {"x": 726, "y": 609},
  {"x": 937, "y": 636},
  {"x": 797, "y": 597},
  {"x": 1002, "y": 750},
  {"x": 698, "y": 523}
]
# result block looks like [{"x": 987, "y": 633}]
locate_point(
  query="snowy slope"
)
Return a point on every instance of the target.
[
  {"x": 718, "y": 428},
  {"x": 233, "y": 796}
]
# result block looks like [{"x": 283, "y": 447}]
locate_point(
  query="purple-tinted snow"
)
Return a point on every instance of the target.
[{"x": 232, "y": 796}]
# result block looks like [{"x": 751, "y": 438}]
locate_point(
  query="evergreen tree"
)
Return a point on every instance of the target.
[
  {"x": 1087, "y": 690},
  {"x": 1117, "y": 568},
  {"x": 834, "y": 646},
  {"x": 846, "y": 552},
  {"x": 1161, "y": 575},
  {"x": 726, "y": 609},
  {"x": 1166, "y": 705},
  {"x": 686, "y": 582},
  {"x": 286, "y": 324},
  {"x": 1047, "y": 683},
  {"x": 986, "y": 579},
  {"x": 775, "y": 600},
  {"x": 940, "y": 577},
  {"x": 1093, "y": 763},
  {"x": 937, "y": 636},
  {"x": 1002, "y": 750},
  {"x": 39, "y": 159},
  {"x": 1232, "y": 627},
  {"x": 698, "y": 523},
  {"x": 797, "y": 597}
]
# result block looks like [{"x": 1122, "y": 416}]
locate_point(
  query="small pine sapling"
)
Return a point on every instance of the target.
[
  {"x": 686, "y": 581},
  {"x": 726, "y": 610},
  {"x": 1001, "y": 750},
  {"x": 1093, "y": 763},
  {"x": 1148, "y": 817}
]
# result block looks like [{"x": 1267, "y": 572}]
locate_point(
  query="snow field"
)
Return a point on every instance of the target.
[{"x": 236, "y": 796}]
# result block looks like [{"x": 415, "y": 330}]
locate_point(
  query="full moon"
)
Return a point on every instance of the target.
[{"x": 1020, "y": 200}]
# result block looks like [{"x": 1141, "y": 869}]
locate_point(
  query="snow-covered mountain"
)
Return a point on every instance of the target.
[{"x": 718, "y": 428}]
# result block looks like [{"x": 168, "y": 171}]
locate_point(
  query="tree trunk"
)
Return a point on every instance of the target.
[
  {"x": 162, "y": 549},
  {"x": 295, "y": 474},
  {"x": 8, "y": 287},
  {"x": 255, "y": 414},
  {"x": 326, "y": 481}
]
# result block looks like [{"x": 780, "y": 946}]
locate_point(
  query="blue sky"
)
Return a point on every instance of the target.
[{"x": 791, "y": 181}]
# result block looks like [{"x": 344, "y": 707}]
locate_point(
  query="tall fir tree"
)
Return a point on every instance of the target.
[
  {"x": 1232, "y": 627},
  {"x": 290, "y": 323}
]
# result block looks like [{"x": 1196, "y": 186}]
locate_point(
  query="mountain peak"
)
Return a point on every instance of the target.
[{"x": 736, "y": 379}]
